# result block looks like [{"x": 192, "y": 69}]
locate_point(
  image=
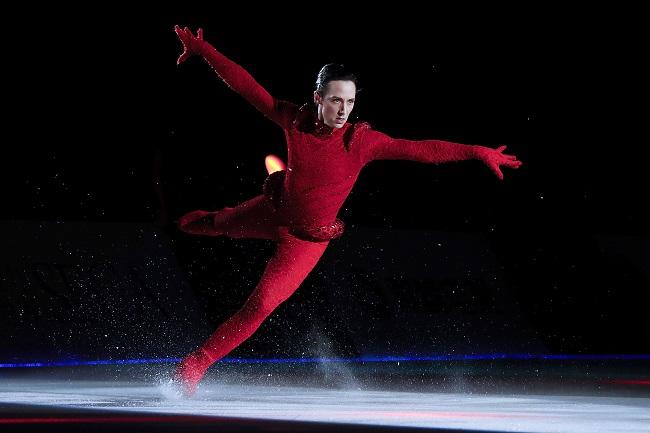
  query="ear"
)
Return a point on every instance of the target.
[{"x": 317, "y": 99}]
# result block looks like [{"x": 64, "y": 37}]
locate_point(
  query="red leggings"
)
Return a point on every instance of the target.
[{"x": 292, "y": 261}]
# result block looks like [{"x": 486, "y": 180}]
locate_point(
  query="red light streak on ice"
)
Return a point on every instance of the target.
[{"x": 101, "y": 420}]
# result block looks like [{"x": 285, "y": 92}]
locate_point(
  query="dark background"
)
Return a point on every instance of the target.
[{"x": 102, "y": 125}]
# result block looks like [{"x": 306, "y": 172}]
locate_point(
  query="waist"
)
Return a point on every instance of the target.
[{"x": 318, "y": 233}]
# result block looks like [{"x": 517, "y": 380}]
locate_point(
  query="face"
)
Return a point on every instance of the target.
[{"x": 336, "y": 104}]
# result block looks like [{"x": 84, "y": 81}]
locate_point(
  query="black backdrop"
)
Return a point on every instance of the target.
[{"x": 102, "y": 125}]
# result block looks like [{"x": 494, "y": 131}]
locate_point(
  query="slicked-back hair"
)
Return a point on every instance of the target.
[{"x": 333, "y": 72}]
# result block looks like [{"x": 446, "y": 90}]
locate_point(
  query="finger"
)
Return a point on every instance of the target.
[
  {"x": 513, "y": 164},
  {"x": 200, "y": 33},
  {"x": 181, "y": 34},
  {"x": 501, "y": 148}
]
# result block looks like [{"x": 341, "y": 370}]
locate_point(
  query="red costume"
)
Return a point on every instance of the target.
[{"x": 299, "y": 206}]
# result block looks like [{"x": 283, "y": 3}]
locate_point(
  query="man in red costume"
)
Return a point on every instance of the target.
[{"x": 299, "y": 205}]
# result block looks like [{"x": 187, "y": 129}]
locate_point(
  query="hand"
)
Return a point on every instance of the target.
[
  {"x": 495, "y": 158},
  {"x": 187, "y": 38}
]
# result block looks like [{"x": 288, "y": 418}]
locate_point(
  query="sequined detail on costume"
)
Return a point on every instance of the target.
[
  {"x": 307, "y": 122},
  {"x": 272, "y": 184},
  {"x": 327, "y": 232},
  {"x": 356, "y": 130},
  {"x": 322, "y": 129}
]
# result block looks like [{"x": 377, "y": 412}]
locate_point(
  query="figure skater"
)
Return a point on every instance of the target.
[{"x": 298, "y": 205}]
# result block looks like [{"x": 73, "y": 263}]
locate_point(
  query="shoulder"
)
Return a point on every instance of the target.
[
  {"x": 304, "y": 112},
  {"x": 361, "y": 126},
  {"x": 354, "y": 133}
]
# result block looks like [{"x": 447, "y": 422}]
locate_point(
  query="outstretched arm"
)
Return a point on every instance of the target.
[
  {"x": 377, "y": 145},
  {"x": 230, "y": 72}
]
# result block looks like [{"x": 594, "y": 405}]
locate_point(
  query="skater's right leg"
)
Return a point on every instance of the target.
[
  {"x": 198, "y": 222},
  {"x": 251, "y": 219}
]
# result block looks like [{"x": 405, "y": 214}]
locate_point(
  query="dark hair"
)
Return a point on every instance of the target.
[{"x": 333, "y": 72}]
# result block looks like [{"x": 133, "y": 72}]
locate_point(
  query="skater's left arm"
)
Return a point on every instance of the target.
[{"x": 376, "y": 145}]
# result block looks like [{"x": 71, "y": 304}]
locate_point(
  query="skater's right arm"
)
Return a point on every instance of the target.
[{"x": 236, "y": 77}]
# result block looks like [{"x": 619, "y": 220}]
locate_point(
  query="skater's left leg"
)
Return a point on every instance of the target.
[{"x": 292, "y": 260}]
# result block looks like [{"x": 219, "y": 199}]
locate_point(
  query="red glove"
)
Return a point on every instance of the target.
[
  {"x": 191, "y": 44},
  {"x": 494, "y": 158}
]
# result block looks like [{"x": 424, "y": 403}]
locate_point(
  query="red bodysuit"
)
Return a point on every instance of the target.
[{"x": 299, "y": 206}]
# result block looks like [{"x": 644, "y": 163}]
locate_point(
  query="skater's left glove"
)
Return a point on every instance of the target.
[{"x": 495, "y": 158}]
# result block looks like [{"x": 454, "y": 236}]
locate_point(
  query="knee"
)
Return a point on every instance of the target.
[{"x": 262, "y": 305}]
